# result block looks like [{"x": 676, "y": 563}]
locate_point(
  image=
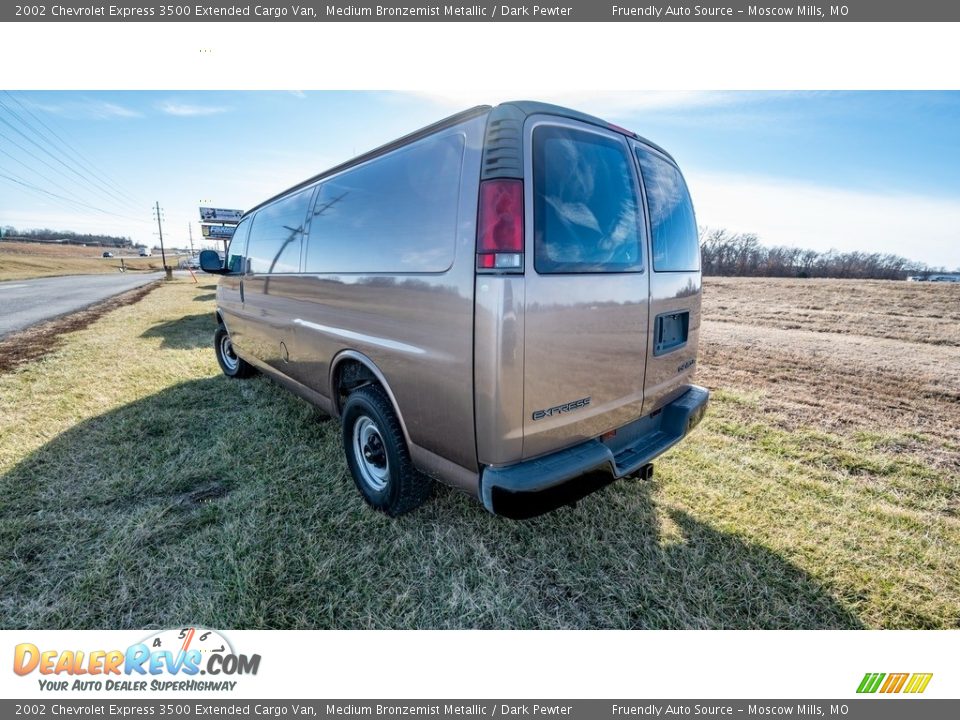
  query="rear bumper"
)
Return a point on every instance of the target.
[{"x": 561, "y": 477}]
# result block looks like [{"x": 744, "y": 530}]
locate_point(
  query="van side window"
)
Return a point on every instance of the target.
[
  {"x": 238, "y": 247},
  {"x": 586, "y": 216},
  {"x": 394, "y": 214},
  {"x": 274, "y": 245},
  {"x": 673, "y": 228}
]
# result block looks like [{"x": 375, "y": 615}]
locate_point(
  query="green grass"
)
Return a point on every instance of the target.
[{"x": 141, "y": 488}]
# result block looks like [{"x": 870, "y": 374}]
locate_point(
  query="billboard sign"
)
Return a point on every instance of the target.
[
  {"x": 218, "y": 231},
  {"x": 209, "y": 214}
]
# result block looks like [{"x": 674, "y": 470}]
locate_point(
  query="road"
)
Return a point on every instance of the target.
[{"x": 26, "y": 302}]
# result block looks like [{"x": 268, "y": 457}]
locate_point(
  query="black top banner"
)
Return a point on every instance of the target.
[{"x": 545, "y": 11}]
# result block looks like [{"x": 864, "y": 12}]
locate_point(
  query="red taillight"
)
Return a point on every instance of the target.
[{"x": 500, "y": 225}]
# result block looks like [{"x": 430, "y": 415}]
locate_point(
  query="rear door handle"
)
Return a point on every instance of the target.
[
  {"x": 241, "y": 290},
  {"x": 670, "y": 331}
]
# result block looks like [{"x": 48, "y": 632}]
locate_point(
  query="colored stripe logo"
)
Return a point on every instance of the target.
[{"x": 894, "y": 683}]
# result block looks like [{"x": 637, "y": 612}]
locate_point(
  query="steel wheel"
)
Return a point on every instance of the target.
[
  {"x": 377, "y": 453},
  {"x": 227, "y": 354},
  {"x": 371, "y": 453}
]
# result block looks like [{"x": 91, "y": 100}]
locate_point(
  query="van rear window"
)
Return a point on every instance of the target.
[
  {"x": 585, "y": 211},
  {"x": 673, "y": 229}
]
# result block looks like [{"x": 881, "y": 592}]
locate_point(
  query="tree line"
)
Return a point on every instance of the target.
[
  {"x": 64, "y": 236},
  {"x": 723, "y": 253},
  {"x": 742, "y": 254}
]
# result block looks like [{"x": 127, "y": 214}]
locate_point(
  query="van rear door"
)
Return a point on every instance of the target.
[
  {"x": 675, "y": 290},
  {"x": 587, "y": 287}
]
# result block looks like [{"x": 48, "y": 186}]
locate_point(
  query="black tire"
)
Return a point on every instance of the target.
[
  {"x": 231, "y": 364},
  {"x": 385, "y": 477}
]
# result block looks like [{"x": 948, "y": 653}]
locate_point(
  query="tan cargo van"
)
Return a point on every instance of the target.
[{"x": 506, "y": 301}]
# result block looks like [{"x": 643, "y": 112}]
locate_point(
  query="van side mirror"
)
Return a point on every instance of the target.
[{"x": 210, "y": 262}]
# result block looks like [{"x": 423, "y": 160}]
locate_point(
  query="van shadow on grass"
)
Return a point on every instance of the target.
[
  {"x": 226, "y": 504},
  {"x": 185, "y": 333}
]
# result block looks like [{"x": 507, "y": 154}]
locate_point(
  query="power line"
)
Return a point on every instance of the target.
[
  {"x": 43, "y": 149},
  {"x": 35, "y": 157},
  {"x": 35, "y": 171},
  {"x": 79, "y": 157},
  {"x": 37, "y": 188},
  {"x": 92, "y": 183},
  {"x": 78, "y": 199}
]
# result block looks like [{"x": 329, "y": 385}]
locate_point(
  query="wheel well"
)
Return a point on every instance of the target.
[
  {"x": 219, "y": 318},
  {"x": 348, "y": 376}
]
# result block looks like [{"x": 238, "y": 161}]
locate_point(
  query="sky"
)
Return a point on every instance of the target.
[{"x": 867, "y": 171}]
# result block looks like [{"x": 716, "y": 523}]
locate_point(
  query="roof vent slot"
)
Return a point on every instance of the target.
[{"x": 503, "y": 144}]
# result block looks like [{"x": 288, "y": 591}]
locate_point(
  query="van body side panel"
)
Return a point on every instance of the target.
[
  {"x": 586, "y": 327},
  {"x": 231, "y": 309},
  {"x": 451, "y": 473},
  {"x": 272, "y": 262},
  {"x": 267, "y": 305},
  {"x": 293, "y": 386},
  {"x": 498, "y": 368},
  {"x": 417, "y": 328}
]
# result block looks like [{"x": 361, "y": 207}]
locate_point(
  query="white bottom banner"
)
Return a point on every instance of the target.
[{"x": 230, "y": 665}]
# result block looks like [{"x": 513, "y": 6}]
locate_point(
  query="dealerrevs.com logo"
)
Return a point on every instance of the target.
[{"x": 182, "y": 660}]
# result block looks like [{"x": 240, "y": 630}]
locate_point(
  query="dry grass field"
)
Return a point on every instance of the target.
[
  {"x": 852, "y": 357},
  {"x": 23, "y": 260},
  {"x": 141, "y": 488}
]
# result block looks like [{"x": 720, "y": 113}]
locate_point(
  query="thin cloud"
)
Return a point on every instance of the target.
[
  {"x": 43, "y": 107},
  {"x": 186, "y": 110},
  {"x": 821, "y": 217},
  {"x": 81, "y": 108},
  {"x": 106, "y": 110}
]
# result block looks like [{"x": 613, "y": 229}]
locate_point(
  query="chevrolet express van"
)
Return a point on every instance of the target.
[{"x": 507, "y": 301}]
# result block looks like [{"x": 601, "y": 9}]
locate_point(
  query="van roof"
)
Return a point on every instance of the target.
[
  {"x": 532, "y": 107},
  {"x": 523, "y": 107}
]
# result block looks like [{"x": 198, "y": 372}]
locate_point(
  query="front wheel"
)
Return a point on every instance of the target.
[
  {"x": 377, "y": 454},
  {"x": 231, "y": 363}
]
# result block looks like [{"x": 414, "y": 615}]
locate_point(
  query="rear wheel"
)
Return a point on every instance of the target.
[
  {"x": 377, "y": 454},
  {"x": 231, "y": 363}
]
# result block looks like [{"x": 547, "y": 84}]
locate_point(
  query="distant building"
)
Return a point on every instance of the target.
[{"x": 935, "y": 277}]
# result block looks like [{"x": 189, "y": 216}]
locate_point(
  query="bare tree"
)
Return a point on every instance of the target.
[{"x": 741, "y": 254}]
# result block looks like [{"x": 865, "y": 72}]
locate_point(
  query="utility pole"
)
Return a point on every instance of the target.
[
  {"x": 163, "y": 253},
  {"x": 190, "y": 230}
]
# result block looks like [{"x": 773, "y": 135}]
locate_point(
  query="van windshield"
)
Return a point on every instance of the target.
[{"x": 585, "y": 210}]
